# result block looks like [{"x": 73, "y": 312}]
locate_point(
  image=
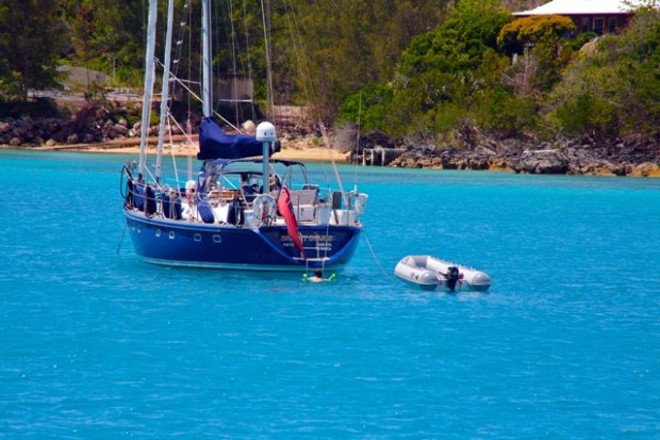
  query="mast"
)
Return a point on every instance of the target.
[
  {"x": 207, "y": 91},
  {"x": 164, "y": 109},
  {"x": 149, "y": 63}
]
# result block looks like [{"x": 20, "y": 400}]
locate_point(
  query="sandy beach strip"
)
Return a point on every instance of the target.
[{"x": 298, "y": 150}]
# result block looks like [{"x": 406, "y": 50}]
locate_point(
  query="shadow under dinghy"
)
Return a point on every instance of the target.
[{"x": 430, "y": 273}]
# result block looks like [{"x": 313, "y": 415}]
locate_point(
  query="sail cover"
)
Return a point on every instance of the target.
[{"x": 214, "y": 143}]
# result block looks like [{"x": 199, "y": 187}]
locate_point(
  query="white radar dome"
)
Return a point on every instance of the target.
[{"x": 266, "y": 132}]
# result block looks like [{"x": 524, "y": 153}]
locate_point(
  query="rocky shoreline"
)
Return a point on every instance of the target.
[
  {"x": 91, "y": 124},
  {"x": 635, "y": 156}
]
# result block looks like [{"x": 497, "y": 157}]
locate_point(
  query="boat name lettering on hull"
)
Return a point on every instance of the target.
[{"x": 313, "y": 237}]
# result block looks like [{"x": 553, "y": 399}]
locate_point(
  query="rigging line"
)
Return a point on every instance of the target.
[
  {"x": 151, "y": 176},
  {"x": 176, "y": 173},
  {"x": 327, "y": 240},
  {"x": 149, "y": 73},
  {"x": 179, "y": 41},
  {"x": 188, "y": 81},
  {"x": 189, "y": 162},
  {"x": 188, "y": 124},
  {"x": 164, "y": 103},
  {"x": 235, "y": 100},
  {"x": 357, "y": 151},
  {"x": 194, "y": 95},
  {"x": 233, "y": 59},
  {"x": 247, "y": 56},
  {"x": 290, "y": 15},
  {"x": 269, "y": 76},
  {"x": 303, "y": 65},
  {"x": 326, "y": 141},
  {"x": 186, "y": 135},
  {"x": 221, "y": 12},
  {"x": 215, "y": 15},
  {"x": 200, "y": 68},
  {"x": 373, "y": 254}
]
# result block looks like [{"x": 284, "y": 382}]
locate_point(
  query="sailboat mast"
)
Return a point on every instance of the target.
[
  {"x": 165, "y": 95},
  {"x": 207, "y": 91},
  {"x": 149, "y": 63}
]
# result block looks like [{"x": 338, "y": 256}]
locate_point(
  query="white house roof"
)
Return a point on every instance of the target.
[{"x": 578, "y": 7}]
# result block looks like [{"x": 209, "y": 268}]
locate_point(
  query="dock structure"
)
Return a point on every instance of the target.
[{"x": 380, "y": 155}]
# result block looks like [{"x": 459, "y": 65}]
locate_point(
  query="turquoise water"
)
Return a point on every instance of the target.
[{"x": 565, "y": 345}]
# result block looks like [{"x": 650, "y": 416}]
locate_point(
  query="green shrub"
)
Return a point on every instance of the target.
[
  {"x": 587, "y": 113},
  {"x": 505, "y": 113},
  {"x": 370, "y": 107},
  {"x": 580, "y": 40},
  {"x": 39, "y": 108}
]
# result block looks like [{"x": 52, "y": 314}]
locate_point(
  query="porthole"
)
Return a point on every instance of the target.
[
  {"x": 139, "y": 229},
  {"x": 158, "y": 233},
  {"x": 197, "y": 237},
  {"x": 172, "y": 235},
  {"x": 217, "y": 238}
]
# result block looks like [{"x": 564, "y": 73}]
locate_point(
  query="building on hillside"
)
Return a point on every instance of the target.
[{"x": 599, "y": 16}]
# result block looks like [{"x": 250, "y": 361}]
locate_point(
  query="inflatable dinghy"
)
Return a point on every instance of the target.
[{"x": 431, "y": 273}]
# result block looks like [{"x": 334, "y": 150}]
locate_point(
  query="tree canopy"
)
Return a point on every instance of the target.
[
  {"x": 409, "y": 68},
  {"x": 31, "y": 33}
]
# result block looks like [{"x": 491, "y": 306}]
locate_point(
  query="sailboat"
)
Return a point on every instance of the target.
[{"x": 244, "y": 209}]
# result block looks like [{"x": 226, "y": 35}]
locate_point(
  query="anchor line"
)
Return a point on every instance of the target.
[
  {"x": 373, "y": 254},
  {"x": 121, "y": 239}
]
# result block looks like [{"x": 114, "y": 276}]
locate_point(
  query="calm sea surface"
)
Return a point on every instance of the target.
[{"x": 565, "y": 345}]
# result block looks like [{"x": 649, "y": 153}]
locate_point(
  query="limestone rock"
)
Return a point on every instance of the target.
[
  {"x": 72, "y": 139},
  {"x": 542, "y": 162}
]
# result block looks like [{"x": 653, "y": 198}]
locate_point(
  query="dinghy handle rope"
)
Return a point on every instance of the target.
[{"x": 373, "y": 254}]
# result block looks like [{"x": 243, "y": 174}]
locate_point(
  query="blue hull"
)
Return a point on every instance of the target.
[{"x": 178, "y": 243}]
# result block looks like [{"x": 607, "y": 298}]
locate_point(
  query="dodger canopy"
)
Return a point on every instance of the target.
[{"x": 214, "y": 143}]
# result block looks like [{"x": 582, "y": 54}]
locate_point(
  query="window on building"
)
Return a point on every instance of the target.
[
  {"x": 585, "y": 24},
  {"x": 599, "y": 25},
  {"x": 612, "y": 25}
]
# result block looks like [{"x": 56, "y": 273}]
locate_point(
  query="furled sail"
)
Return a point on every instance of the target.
[{"x": 214, "y": 143}]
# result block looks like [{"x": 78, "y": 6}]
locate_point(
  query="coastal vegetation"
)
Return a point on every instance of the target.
[
  {"x": 462, "y": 74},
  {"x": 437, "y": 72}
]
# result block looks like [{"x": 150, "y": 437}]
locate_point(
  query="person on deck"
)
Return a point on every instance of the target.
[
  {"x": 189, "y": 207},
  {"x": 275, "y": 183}
]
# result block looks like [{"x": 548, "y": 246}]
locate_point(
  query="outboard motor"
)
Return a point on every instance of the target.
[{"x": 452, "y": 277}]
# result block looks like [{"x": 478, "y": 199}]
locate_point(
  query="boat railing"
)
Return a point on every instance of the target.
[
  {"x": 333, "y": 208},
  {"x": 305, "y": 203}
]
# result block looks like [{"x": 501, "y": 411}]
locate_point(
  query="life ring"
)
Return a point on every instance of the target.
[{"x": 263, "y": 208}]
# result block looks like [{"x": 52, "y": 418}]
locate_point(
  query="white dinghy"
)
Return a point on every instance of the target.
[{"x": 431, "y": 273}]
